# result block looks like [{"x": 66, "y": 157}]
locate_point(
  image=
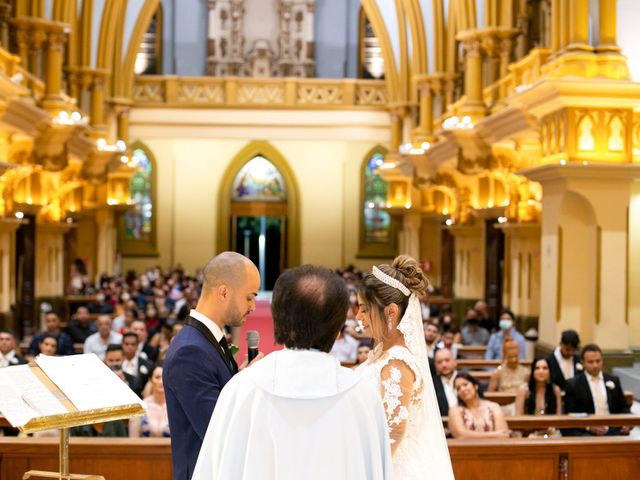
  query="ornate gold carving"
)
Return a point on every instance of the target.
[
  {"x": 148, "y": 92},
  {"x": 319, "y": 95},
  {"x": 200, "y": 93},
  {"x": 260, "y": 94}
]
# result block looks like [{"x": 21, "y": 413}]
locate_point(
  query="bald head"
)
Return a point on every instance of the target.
[{"x": 229, "y": 268}]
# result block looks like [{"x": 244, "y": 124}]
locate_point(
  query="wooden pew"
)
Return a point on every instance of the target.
[
  {"x": 515, "y": 459},
  {"x": 481, "y": 363},
  {"x": 542, "y": 422},
  {"x": 471, "y": 351},
  {"x": 504, "y": 398}
]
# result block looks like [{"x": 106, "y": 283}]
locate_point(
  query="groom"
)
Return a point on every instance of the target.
[
  {"x": 198, "y": 362},
  {"x": 297, "y": 413}
]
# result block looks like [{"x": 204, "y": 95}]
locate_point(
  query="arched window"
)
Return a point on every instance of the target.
[
  {"x": 138, "y": 224},
  {"x": 370, "y": 60},
  {"x": 259, "y": 181},
  {"x": 377, "y": 237},
  {"x": 149, "y": 56}
]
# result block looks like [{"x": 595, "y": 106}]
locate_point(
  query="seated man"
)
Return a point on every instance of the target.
[
  {"x": 594, "y": 391},
  {"x": 564, "y": 362},
  {"x": 97, "y": 343},
  {"x": 81, "y": 326},
  {"x": 431, "y": 336},
  {"x": 297, "y": 413},
  {"x": 139, "y": 368},
  {"x": 443, "y": 378},
  {"x": 8, "y": 356},
  {"x": 54, "y": 327},
  {"x": 494, "y": 348},
  {"x": 472, "y": 332}
]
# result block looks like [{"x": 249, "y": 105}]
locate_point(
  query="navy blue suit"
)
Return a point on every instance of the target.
[{"x": 194, "y": 372}]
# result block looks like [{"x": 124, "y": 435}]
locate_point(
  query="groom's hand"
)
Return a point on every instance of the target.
[{"x": 246, "y": 363}]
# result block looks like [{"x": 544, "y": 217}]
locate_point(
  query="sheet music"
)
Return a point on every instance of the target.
[
  {"x": 23, "y": 396},
  {"x": 87, "y": 381}
]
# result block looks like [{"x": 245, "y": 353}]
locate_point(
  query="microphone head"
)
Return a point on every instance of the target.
[{"x": 252, "y": 338}]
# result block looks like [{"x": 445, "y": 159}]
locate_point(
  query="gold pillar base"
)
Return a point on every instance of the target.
[
  {"x": 59, "y": 476},
  {"x": 587, "y": 64}
]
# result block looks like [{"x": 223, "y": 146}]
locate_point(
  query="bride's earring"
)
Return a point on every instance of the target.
[{"x": 389, "y": 323}]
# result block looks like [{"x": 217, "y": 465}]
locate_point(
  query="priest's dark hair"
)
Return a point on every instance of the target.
[{"x": 309, "y": 306}]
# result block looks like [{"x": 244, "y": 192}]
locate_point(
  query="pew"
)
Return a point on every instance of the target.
[
  {"x": 515, "y": 459},
  {"x": 542, "y": 422},
  {"x": 481, "y": 363},
  {"x": 472, "y": 351},
  {"x": 504, "y": 398}
]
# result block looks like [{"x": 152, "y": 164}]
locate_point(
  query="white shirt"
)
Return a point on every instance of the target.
[
  {"x": 8, "y": 359},
  {"x": 345, "y": 349},
  {"x": 566, "y": 364},
  {"x": 210, "y": 324},
  {"x": 95, "y": 344},
  {"x": 131, "y": 366},
  {"x": 598, "y": 382},
  {"x": 449, "y": 391}
]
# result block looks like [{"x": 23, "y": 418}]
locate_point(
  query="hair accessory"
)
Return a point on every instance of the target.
[{"x": 392, "y": 282}]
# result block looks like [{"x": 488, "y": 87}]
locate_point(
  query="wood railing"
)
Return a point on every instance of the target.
[
  {"x": 240, "y": 92},
  {"x": 513, "y": 459}
]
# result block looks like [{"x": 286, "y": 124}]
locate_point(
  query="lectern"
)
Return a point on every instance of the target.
[{"x": 60, "y": 393}]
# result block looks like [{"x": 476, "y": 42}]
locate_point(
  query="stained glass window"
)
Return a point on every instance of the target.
[
  {"x": 259, "y": 181},
  {"x": 377, "y": 222},
  {"x": 138, "y": 220}
]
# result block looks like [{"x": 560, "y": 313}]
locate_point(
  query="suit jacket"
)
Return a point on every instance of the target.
[
  {"x": 557, "y": 376},
  {"x": 578, "y": 397},
  {"x": 140, "y": 379},
  {"x": 194, "y": 372},
  {"x": 443, "y": 403}
]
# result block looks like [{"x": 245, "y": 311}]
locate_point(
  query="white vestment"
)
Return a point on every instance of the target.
[{"x": 296, "y": 414}]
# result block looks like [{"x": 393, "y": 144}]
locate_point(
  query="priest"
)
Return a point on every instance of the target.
[{"x": 297, "y": 413}]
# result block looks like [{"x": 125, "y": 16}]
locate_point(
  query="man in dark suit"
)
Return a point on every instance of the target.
[
  {"x": 564, "y": 362},
  {"x": 134, "y": 364},
  {"x": 595, "y": 392},
  {"x": 8, "y": 355},
  {"x": 198, "y": 363},
  {"x": 443, "y": 377}
]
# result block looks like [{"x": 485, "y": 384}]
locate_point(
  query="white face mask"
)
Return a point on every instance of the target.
[{"x": 505, "y": 324}]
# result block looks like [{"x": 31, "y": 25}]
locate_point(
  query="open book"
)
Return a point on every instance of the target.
[{"x": 64, "y": 392}]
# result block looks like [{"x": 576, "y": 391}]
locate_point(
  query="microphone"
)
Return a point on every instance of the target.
[{"x": 252, "y": 338}]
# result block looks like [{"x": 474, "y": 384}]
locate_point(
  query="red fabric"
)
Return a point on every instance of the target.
[{"x": 261, "y": 321}]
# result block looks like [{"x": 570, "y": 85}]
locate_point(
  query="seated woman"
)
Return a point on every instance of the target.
[
  {"x": 539, "y": 396},
  {"x": 510, "y": 375},
  {"x": 156, "y": 422},
  {"x": 48, "y": 344},
  {"x": 475, "y": 417}
]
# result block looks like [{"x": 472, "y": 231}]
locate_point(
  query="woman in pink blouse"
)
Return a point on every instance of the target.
[{"x": 156, "y": 422}]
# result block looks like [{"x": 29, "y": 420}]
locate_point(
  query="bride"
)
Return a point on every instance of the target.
[{"x": 389, "y": 310}]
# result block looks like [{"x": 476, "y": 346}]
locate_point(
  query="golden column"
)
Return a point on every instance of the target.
[
  {"x": 97, "y": 99},
  {"x": 56, "y": 39},
  {"x": 397, "y": 118},
  {"x": 23, "y": 41},
  {"x": 424, "y": 86},
  {"x": 608, "y": 23},
  {"x": 555, "y": 25},
  {"x": 579, "y": 25},
  {"x": 473, "y": 105}
]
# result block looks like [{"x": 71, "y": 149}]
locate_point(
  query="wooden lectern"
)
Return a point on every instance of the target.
[{"x": 72, "y": 416}]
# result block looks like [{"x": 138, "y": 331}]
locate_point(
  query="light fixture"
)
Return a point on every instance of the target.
[
  {"x": 73, "y": 118},
  {"x": 502, "y": 219},
  {"x": 407, "y": 205},
  {"x": 119, "y": 147},
  {"x": 19, "y": 215},
  {"x": 69, "y": 220},
  {"x": 563, "y": 162},
  {"x": 454, "y": 122},
  {"x": 448, "y": 222}
]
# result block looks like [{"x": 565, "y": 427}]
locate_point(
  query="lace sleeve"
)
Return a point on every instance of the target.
[{"x": 397, "y": 381}]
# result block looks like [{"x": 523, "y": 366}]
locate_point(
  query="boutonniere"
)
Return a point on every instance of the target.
[
  {"x": 610, "y": 385},
  {"x": 579, "y": 366},
  {"x": 233, "y": 348},
  {"x": 144, "y": 370},
  {"x": 13, "y": 361}
]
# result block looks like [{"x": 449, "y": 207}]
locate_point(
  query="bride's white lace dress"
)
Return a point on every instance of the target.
[{"x": 413, "y": 417}]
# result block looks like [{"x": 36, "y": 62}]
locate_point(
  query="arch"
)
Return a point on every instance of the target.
[
  {"x": 124, "y": 86},
  {"x": 147, "y": 246},
  {"x": 362, "y": 35},
  {"x": 265, "y": 149},
  {"x": 368, "y": 248},
  {"x": 419, "y": 51}
]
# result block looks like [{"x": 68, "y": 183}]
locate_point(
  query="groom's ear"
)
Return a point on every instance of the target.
[{"x": 223, "y": 292}]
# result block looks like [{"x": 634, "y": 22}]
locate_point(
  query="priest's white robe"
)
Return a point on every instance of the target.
[{"x": 296, "y": 414}]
